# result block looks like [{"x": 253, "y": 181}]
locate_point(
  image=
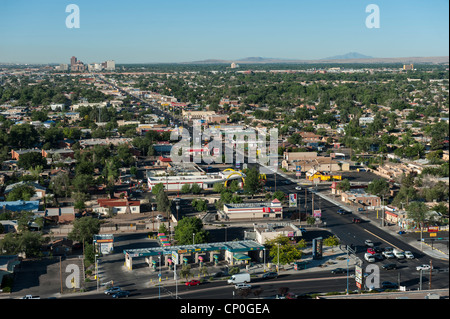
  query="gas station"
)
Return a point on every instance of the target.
[{"x": 233, "y": 252}]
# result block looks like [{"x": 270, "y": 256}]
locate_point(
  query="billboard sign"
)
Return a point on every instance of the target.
[{"x": 292, "y": 200}]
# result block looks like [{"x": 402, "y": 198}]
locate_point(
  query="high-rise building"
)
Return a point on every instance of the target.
[
  {"x": 73, "y": 61},
  {"x": 110, "y": 65}
]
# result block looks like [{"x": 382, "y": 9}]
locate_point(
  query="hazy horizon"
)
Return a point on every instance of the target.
[{"x": 177, "y": 31}]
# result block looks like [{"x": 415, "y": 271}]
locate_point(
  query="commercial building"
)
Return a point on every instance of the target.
[
  {"x": 264, "y": 210},
  {"x": 176, "y": 176},
  {"x": 264, "y": 232}
]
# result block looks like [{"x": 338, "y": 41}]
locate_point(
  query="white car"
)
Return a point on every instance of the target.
[
  {"x": 299, "y": 188},
  {"x": 388, "y": 254},
  {"x": 399, "y": 254},
  {"x": 369, "y": 243},
  {"x": 424, "y": 267},
  {"x": 160, "y": 217},
  {"x": 242, "y": 286},
  {"x": 369, "y": 257},
  {"x": 409, "y": 255}
]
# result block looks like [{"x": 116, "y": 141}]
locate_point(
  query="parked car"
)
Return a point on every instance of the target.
[
  {"x": 243, "y": 286},
  {"x": 388, "y": 254},
  {"x": 269, "y": 275},
  {"x": 369, "y": 243},
  {"x": 299, "y": 188},
  {"x": 121, "y": 294},
  {"x": 159, "y": 217},
  {"x": 389, "y": 285},
  {"x": 339, "y": 271},
  {"x": 371, "y": 251},
  {"x": 389, "y": 249},
  {"x": 361, "y": 209},
  {"x": 389, "y": 266},
  {"x": 409, "y": 255},
  {"x": 424, "y": 267},
  {"x": 193, "y": 283},
  {"x": 399, "y": 254},
  {"x": 112, "y": 291},
  {"x": 370, "y": 258}
]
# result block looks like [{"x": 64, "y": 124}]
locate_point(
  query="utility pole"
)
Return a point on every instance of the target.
[{"x": 431, "y": 271}]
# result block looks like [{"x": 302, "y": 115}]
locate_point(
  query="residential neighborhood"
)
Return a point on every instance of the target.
[{"x": 206, "y": 171}]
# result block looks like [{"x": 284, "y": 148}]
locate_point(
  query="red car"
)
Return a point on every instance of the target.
[
  {"x": 193, "y": 283},
  {"x": 371, "y": 251}
]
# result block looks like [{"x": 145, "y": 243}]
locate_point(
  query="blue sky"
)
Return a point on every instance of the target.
[{"x": 144, "y": 31}]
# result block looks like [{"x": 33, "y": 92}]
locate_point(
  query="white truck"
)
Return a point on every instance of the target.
[{"x": 239, "y": 278}]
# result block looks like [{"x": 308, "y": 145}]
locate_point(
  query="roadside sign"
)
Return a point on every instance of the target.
[
  {"x": 433, "y": 234},
  {"x": 292, "y": 200},
  {"x": 317, "y": 213},
  {"x": 358, "y": 276}
]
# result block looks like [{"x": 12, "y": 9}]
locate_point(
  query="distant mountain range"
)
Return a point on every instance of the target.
[{"x": 351, "y": 57}]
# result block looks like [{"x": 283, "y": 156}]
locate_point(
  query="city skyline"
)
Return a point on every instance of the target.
[{"x": 175, "y": 31}]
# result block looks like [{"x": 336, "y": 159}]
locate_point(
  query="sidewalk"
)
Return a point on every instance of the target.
[{"x": 438, "y": 251}]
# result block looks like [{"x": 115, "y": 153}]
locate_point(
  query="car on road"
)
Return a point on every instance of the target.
[
  {"x": 356, "y": 220},
  {"x": 369, "y": 243},
  {"x": 409, "y": 255},
  {"x": 121, "y": 294},
  {"x": 193, "y": 283},
  {"x": 269, "y": 275},
  {"x": 112, "y": 291},
  {"x": 370, "y": 258},
  {"x": 388, "y": 254},
  {"x": 389, "y": 285},
  {"x": 243, "y": 286},
  {"x": 299, "y": 188},
  {"x": 389, "y": 266},
  {"x": 342, "y": 212},
  {"x": 339, "y": 271},
  {"x": 159, "y": 217},
  {"x": 423, "y": 267}
]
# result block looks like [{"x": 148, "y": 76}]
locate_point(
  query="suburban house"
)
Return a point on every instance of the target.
[
  {"x": 60, "y": 215},
  {"x": 40, "y": 191},
  {"x": 117, "y": 206}
]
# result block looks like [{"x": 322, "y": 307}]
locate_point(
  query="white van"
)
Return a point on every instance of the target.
[
  {"x": 239, "y": 278},
  {"x": 369, "y": 257}
]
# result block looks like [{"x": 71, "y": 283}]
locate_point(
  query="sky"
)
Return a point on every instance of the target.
[{"x": 165, "y": 31}]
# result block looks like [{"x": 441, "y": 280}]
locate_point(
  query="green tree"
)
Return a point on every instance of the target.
[
  {"x": 84, "y": 229},
  {"x": 31, "y": 159},
  {"x": 417, "y": 211},
  {"x": 379, "y": 187},
  {"x": 188, "y": 226},
  {"x": 282, "y": 247},
  {"x": 252, "y": 183},
  {"x": 21, "y": 192}
]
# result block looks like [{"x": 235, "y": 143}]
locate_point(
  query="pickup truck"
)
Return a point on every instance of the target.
[{"x": 30, "y": 297}]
